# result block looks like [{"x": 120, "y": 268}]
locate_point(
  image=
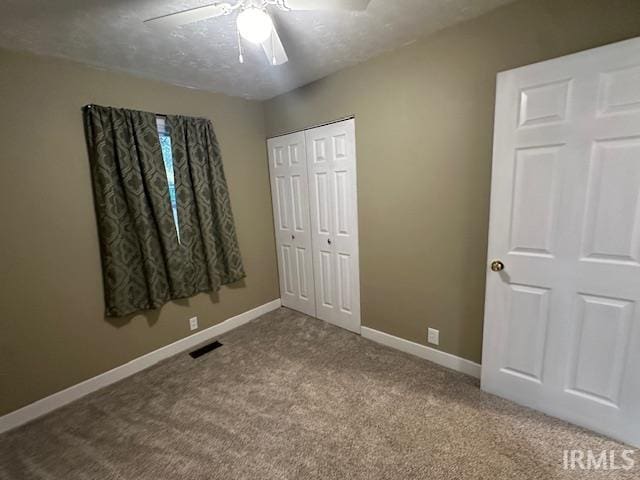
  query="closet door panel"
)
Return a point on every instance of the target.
[
  {"x": 332, "y": 179},
  {"x": 290, "y": 196}
]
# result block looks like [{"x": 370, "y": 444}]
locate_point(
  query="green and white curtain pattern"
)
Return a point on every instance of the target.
[{"x": 144, "y": 264}]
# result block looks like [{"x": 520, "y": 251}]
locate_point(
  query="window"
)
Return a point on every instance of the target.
[{"x": 167, "y": 156}]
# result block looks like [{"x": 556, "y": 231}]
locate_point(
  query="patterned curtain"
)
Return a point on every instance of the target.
[{"x": 145, "y": 263}]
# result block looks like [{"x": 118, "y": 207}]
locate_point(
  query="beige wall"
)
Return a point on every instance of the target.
[
  {"x": 52, "y": 330},
  {"x": 424, "y": 117},
  {"x": 424, "y": 128}
]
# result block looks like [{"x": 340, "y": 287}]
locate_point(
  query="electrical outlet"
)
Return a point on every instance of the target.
[
  {"x": 433, "y": 336},
  {"x": 193, "y": 323}
]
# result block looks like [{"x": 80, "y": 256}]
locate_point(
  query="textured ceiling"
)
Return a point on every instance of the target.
[{"x": 110, "y": 34}]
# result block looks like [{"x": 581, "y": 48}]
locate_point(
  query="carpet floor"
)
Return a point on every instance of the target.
[{"x": 291, "y": 397}]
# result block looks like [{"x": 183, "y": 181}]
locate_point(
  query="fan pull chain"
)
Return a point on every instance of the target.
[
  {"x": 273, "y": 49},
  {"x": 240, "y": 49}
]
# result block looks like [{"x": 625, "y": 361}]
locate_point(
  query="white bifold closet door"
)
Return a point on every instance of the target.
[
  {"x": 290, "y": 194},
  {"x": 331, "y": 159},
  {"x": 327, "y": 200}
]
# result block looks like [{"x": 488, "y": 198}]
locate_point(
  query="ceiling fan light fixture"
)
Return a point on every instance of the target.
[{"x": 254, "y": 24}]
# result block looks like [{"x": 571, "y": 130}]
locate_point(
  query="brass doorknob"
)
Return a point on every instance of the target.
[{"x": 497, "y": 266}]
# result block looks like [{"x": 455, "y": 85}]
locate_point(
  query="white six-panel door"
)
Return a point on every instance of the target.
[
  {"x": 331, "y": 156},
  {"x": 290, "y": 195},
  {"x": 562, "y": 319}
]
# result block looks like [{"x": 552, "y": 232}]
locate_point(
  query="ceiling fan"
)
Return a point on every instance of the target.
[{"x": 253, "y": 21}]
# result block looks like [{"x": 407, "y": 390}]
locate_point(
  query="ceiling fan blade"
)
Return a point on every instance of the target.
[
  {"x": 191, "y": 15},
  {"x": 350, "y": 5},
  {"x": 274, "y": 50}
]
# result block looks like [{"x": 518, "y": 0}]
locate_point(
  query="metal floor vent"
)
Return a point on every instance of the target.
[{"x": 205, "y": 349}]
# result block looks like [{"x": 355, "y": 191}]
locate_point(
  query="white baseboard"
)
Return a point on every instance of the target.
[
  {"x": 63, "y": 397},
  {"x": 436, "y": 356}
]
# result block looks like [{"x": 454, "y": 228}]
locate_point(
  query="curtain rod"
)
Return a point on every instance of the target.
[
  {"x": 348, "y": 117},
  {"x": 90, "y": 105}
]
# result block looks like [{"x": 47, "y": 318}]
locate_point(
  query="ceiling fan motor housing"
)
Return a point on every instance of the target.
[{"x": 253, "y": 21}]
